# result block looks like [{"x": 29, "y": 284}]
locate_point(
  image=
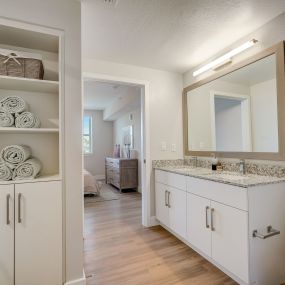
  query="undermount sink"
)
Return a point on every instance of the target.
[{"x": 229, "y": 176}]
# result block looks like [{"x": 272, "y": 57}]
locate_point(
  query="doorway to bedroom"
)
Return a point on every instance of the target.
[{"x": 114, "y": 144}]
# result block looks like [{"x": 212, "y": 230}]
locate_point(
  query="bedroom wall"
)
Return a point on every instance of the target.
[
  {"x": 64, "y": 15},
  {"x": 124, "y": 121},
  {"x": 102, "y": 144}
]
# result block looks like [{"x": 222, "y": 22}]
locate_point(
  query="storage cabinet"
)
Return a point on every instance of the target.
[
  {"x": 220, "y": 219},
  {"x": 122, "y": 173},
  {"x": 230, "y": 239},
  {"x": 198, "y": 223},
  {"x": 7, "y": 234},
  {"x": 171, "y": 204},
  {"x": 32, "y": 247}
]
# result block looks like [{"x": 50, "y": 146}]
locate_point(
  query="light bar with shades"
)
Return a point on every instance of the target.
[{"x": 225, "y": 58}]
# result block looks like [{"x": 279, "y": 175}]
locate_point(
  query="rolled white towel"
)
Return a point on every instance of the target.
[
  {"x": 15, "y": 154},
  {"x": 6, "y": 118},
  {"x": 13, "y": 104},
  {"x": 27, "y": 120},
  {"x": 27, "y": 170},
  {"x": 6, "y": 171}
]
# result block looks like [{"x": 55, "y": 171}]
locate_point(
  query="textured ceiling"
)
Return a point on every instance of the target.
[
  {"x": 100, "y": 95},
  {"x": 171, "y": 35}
]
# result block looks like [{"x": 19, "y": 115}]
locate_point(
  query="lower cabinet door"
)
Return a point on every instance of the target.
[
  {"x": 198, "y": 223},
  {"x": 38, "y": 233},
  {"x": 177, "y": 211},
  {"x": 162, "y": 210},
  {"x": 230, "y": 239},
  {"x": 7, "y": 234}
]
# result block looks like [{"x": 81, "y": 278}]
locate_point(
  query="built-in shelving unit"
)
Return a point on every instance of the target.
[
  {"x": 27, "y": 84},
  {"x": 43, "y": 97}
]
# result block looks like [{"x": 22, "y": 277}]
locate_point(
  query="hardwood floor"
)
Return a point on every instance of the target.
[{"x": 119, "y": 251}]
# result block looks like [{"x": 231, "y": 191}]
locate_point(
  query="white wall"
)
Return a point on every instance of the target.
[
  {"x": 271, "y": 33},
  {"x": 64, "y": 15},
  {"x": 102, "y": 143},
  {"x": 228, "y": 125},
  {"x": 165, "y": 105},
  {"x": 264, "y": 116},
  {"x": 124, "y": 121}
]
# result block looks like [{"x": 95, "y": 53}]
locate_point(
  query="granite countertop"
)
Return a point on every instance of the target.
[{"x": 226, "y": 177}]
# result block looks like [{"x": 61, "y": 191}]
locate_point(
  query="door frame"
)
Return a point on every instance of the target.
[
  {"x": 245, "y": 116},
  {"x": 147, "y": 220}
]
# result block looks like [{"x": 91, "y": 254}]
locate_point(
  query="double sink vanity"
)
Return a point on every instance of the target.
[{"x": 235, "y": 220}]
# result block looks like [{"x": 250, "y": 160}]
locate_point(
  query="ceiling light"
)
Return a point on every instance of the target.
[{"x": 225, "y": 58}]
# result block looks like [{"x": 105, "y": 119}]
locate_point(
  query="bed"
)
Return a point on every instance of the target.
[{"x": 91, "y": 185}]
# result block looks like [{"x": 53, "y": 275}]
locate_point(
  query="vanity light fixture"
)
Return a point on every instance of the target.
[{"x": 225, "y": 58}]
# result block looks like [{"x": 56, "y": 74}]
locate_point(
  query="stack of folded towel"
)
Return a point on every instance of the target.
[
  {"x": 16, "y": 163},
  {"x": 14, "y": 112}
]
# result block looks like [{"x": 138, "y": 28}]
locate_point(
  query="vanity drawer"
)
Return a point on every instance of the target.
[
  {"x": 224, "y": 193},
  {"x": 171, "y": 179}
]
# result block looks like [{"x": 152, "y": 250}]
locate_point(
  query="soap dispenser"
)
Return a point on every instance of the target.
[{"x": 215, "y": 162}]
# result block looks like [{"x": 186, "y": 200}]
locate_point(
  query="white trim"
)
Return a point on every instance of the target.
[
  {"x": 154, "y": 221},
  {"x": 81, "y": 281},
  {"x": 145, "y": 167},
  {"x": 99, "y": 177}
]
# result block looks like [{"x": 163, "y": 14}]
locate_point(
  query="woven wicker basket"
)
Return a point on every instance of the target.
[{"x": 28, "y": 67}]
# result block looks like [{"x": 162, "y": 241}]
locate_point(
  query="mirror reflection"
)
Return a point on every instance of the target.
[{"x": 236, "y": 112}]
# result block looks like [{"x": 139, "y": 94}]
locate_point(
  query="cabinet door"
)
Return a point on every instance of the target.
[
  {"x": 7, "y": 234},
  {"x": 38, "y": 233},
  {"x": 162, "y": 211},
  {"x": 198, "y": 223},
  {"x": 230, "y": 239},
  {"x": 177, "y": 211}
]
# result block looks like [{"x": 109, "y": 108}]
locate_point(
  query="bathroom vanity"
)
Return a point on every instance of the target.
[{"x": 236, "y": 222}]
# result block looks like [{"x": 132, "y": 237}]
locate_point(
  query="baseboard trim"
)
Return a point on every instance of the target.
[
  {"x": 153, "y": 221},
  {"x": 81, "y": 281},
  {"x": 99, "y": 177}
]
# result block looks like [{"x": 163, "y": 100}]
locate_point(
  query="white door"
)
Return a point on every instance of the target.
[
  {"x": 198, "y": 223},
  {"x": 230, "y": 239},
  {"x": 162, "y": 210},
  {"x": 38, "y": 233},
  {"x": 177, "y": 211},
  {"x": 7, "y": 234}
]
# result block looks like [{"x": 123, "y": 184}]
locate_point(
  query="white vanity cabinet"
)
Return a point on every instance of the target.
[
  {"x": 31, "y": 239},
  {"x": 220, "y": 222},
  {"x": 171, "y": 202}
]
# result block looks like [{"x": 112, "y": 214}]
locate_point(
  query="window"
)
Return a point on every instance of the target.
[{"x": 87, "y": 134}]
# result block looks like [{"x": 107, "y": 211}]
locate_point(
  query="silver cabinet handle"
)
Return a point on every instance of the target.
[
  {"x": 8, "y": 209},
  {"x": 165, "y": 198},
  {"x": 168, "y": 199},
  {"x": 207, "y": 223},
  {"x": 270, "y": 233},
  {"x": 212, "y": 219},
  {"x": 19, "y": 208}
]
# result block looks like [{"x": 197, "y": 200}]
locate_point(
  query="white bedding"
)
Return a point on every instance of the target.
[{"x": 91, "y": 185}]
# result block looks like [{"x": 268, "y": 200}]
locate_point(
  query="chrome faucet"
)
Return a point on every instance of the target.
[{"x": 242, "y": 169}]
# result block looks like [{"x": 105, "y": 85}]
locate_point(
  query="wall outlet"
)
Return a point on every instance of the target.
[
  {"x": 163, "y": 146},
  {"x": 173, "y": 147}
]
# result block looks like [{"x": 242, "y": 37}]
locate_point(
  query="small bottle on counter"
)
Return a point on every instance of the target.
[{"x": 215, "y": 162}]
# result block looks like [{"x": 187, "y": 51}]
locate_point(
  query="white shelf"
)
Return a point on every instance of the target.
[
  {"x": 28, "y": 130},
  {"x": 46, "y": 178},
  {"x": 27, "y": 84}
]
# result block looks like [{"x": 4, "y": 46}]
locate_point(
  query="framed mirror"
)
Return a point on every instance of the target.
[{"x": 240, "y": 111}]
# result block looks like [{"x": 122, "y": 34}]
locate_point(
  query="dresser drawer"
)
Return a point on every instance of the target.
[
  {"x": 224, "y": 193},
  {"x": 171, "y": 179},
  {"x": 129, "y": 163}
]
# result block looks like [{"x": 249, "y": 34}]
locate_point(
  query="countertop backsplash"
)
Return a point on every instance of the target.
[{"x": 258, "y": 167}]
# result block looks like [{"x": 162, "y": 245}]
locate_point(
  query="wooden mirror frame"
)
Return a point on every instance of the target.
[{"x": 278, "y": 50}]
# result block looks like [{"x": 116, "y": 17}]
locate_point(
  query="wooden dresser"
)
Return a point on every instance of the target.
[{"x": 122, "y": 172}]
